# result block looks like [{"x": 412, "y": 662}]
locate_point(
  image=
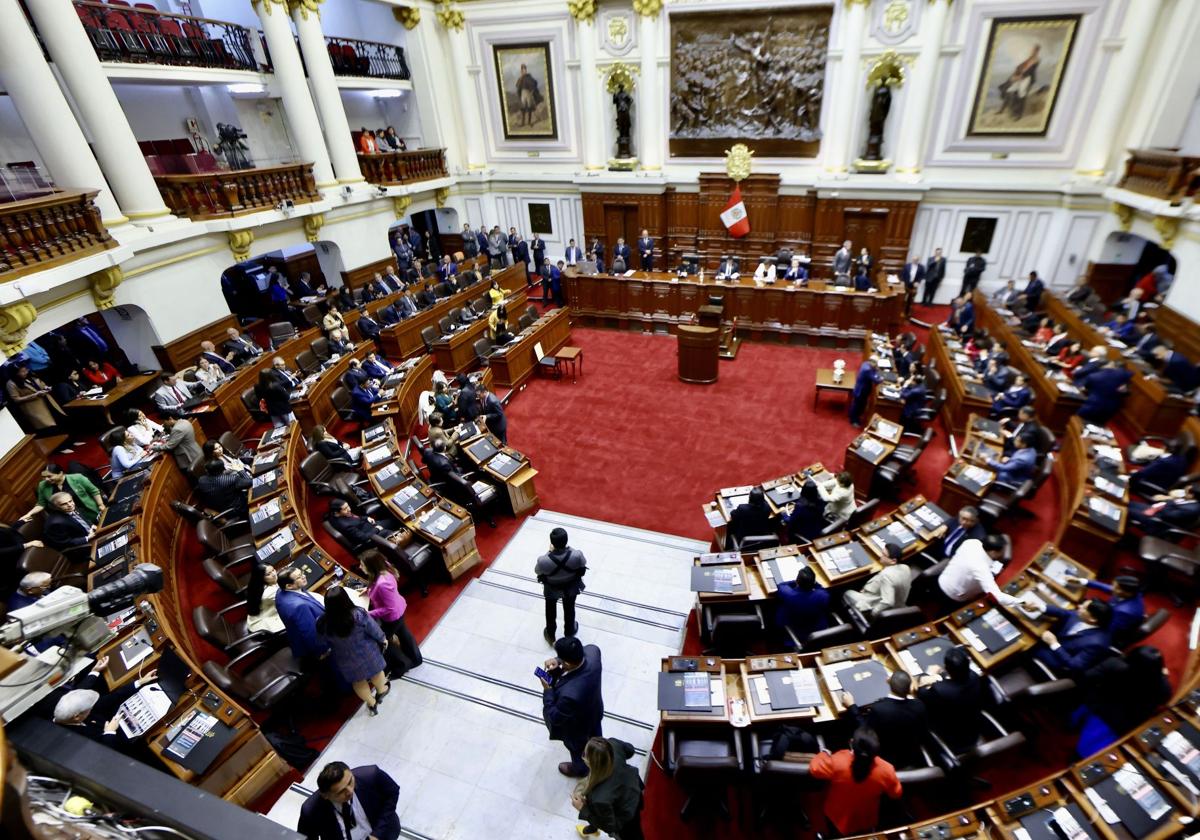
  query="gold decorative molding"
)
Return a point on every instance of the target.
[
  {"x": 400, "y": 205},
  {"x": 15, "y": 321},
  {"x": 240, "y": 242},
  {"x": 858, "y": 2},
  {"x": 651, "y": 8},
  {"x": 618, "y": 74},
  {"x": 895, "y": 15},
  {"x": 410, "y": 16},
  {"x": 104, "y": 285},
  {"x": 1168, "y": 229},
  {"x": 888, "y": 70},
  {"x": 737, "y": 161},
  {"x": 1124, "y": 214},
  {"x": 305, "y": 6},
  {"x": 441, "y": 196},
  {"x": 582, "y": 10},
  {"x": 450, "y": 17},
  {"x": 266, "y": 4},
  {"x": 313, "y": 225}
]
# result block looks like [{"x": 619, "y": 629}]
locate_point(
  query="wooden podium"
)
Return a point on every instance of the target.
[{"x": 699, "y": 353}]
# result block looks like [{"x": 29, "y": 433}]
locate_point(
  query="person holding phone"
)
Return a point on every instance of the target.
[{"x": 572, "y": 700}]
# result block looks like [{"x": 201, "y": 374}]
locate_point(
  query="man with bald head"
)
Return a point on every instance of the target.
[
  {"x": 208, "y": 350},
  {"x": 242, "y": 348},
  {"x": 65, "y": 527}
]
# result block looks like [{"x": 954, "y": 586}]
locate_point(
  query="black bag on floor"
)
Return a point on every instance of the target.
[{"x": 293, "y": 749}]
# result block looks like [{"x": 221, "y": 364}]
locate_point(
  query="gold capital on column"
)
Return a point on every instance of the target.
[
  {"x": 582, "y": 10},
  {"x": 1124, "y": 214},
  {"x": 305, "y": 6},
  {"x": 15, "y": 321},
  {"x": 1168, "y": 229},
  {"x": 104, "y": 285},
  {"x": 441, "y": 195},
  {"x": 410, "y": 16},
  {"x": 450, "y": 16},
  {"x": 240, "y": 242},
  {"x": 313, "y": 225},
  {"x": 400, "y": 205},
  {"x": 266, "y": 4},
  {"x": 648, "y": 8}
]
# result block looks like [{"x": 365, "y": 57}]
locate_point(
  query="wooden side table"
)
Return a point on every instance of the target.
[{"x": 571, "y": 355}]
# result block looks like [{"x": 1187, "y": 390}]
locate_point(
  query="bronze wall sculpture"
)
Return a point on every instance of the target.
[{"x": 754, "y": 77}]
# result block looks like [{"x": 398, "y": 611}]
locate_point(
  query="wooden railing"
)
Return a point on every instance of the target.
[
  {"x": 395, "y": 168},
  {"x": 125, "y": 34},
  {"x": 50, "y": 230},
  {"x": 354, "y": 57},
  {"x": 214, "y": 195},
  {"x": 1161, "y": 173}
]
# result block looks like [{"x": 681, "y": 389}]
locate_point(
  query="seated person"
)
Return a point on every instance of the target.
[
  {"x": 209, "y": 375},
  {"x": 438, "y": 461},
  {"x": 999, "y": 376},
  {"x": 498, "y": 328},
  {"x": 354, "y": 375},
  {"x": 900, "y": 720},
  {"x": 174, "y": 392},
  {"x": 1177, "y": 509},
  {"x": 101, "y": 373},
  {"x": 335, "y": 452},
  {"x": 968, "y": 576},
  {"x": 1013, "y": 397},
  {"x": 887, "y": 589},
  {"x": 1175, "y": 368},
  {"x": 914, "y": 395},
  {"x": 1161, "y": 473},
  {"x": 68, "y": 389},
  {"x": 127, "y": 456},
  {"x": 752, "y": 518},
  {"x": 955, "y": 698},
  {"x": 242, "y": 348},
  {"x": 97, "y": 716},
  {"x": 1070, "y": 357},
  {"x": 1018, "y": 467},
  {"x": 376, "y": 367},
  {"x": 1119, "y": 695},
  {"x": 1044, "y": 332},
  {"x": 214, "y": 450},
  {"x": 1082, "y": 640},
  {"x": 339, "y": 344},
  {"x": 796, "y": 271},
  {"x": 426, "y": 298},
  {"x": 1025, "y": 423},
  {"x": 368, "y": 327},
  {"x": 364, "y": 395},
  {"x": 838, "y": 495},
  {"x": 765, "y": 273},
  {"x": 803, "y": 605},
  {"x": 1128, "y": 607},
  {"x": 805, "y": 518},
  {"x": 89, "y": 501},
  {"x": 359, "y": 530},
  {"x": 437, "y": 431},
  {"x": 966, "y": 528},
  {"x": 220, "y": 489},
  {"x": 141, "y": 428},
  {"x": 1121, "y": 328},
  {"x": 729, "y": 268},
  {"x": 65, "y": 527}
]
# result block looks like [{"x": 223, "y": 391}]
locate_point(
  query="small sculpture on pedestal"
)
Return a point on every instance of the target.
[
  {"x": 619, "y": 83},
  {"x": 622, "y": 102},
  {"x": 886, "y": 73},
  {"x": 881, "y": 104}
]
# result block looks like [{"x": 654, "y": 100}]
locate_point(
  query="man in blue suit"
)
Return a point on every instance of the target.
[
  {"x": 965, "y": 320},
  {"x": 482, "y": 238},
  {"x": 1017, "y": 467},
  {"x": 299, "y": 612},
  {"x": 622, "y": 250},
  {"x": 388, "y": 314},
  {"x": 1122, "y": 329},
  {"x": 572, "y": 701},
  {"x": 868, "y": 377},
  {"x": 1161, "y": 473},
  {"x": 376, "y": 367},
  {"x": 1033, "y": 291},
  {"x": 967, "y": 528},
  {"x": 362, "y": 398},
  {"x": 646, "y": 250},
  {"x": 1176, "y": 368},
  {"x": 915, "y": 395},
  {"x": 1014, "y": 396},
  {"x": 1082, "y": 639},
  {"x": 1128, "y": 607},
  {"x": 368, "y": 327},
  {"x": 208, "y": 350},
  {"x": 1177, "y": 510},
  {"x": 1105, "y": 392},
  {"x": 574, "y": 255}
]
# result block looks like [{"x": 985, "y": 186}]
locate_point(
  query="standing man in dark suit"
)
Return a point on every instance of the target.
[
  {"x": 868, "y": 377},
  {"x": 912, "y": 275},
  {"x": 538, "y": 248},
  {"x": 597, "y": 252},
  {"x": 1033, "y": 291},
  {"x": 572, "y": 700},
  {"x": 900, "y": 721},
  {"x": 955, "y": 697},
  {"x": 621, "y": 250},
  {"x": 468, "y": 398},
  {"x": 351, "y": 804},
  {"x": 481, "y": 238},
  {"x": 299, "y": 611},
  {"x": 574, "y": 255},
  {"x": 973, "y": 270},
  {"x": 1082, "y": 639},
  {"x": 646, "y": 250},
  {"x": 1105, "y": 389},
  {"x": 935, "y": 272},
  {"x": 520, "y": 254},
  {"x": 470, "y": 243},
  {"x": 560, "y": 571}
]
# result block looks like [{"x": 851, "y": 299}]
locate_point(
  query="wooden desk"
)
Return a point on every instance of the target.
[
  {"x": 825, "y": 382},
  {"x": 185, "y": 350},
  {"x": 516, "y": 362},
  {"x": 126, "y": 388},
  {"x": 960, "y": 488},
  {"x": 864, "y": 454},
  {"x": 699, "y": 353},
  {"x": 1079, "y": 535},
  {"x": 455, "y": 353},
  {"x": 231, "y": 412},
  {"x": 963, "y": 397}
]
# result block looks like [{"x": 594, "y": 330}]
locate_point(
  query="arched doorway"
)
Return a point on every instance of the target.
[
  {"x": 439, "y": 230},
  {"x": 1124, "y": 259}
]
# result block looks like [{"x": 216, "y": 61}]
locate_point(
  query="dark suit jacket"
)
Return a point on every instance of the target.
[
  {"x": 954, "y": 539},
  {"x": 956, "y": 707},
  {"x": 356, "y": 528},
  {"x": 241, "y": 353},
  {"x": 1161, "y": 472},
  {"x": 1079, "y": 651},
  {"x": 468, "y": 403},
  {"x": 61, "y": 531},
  {"x": 299, "y": 612},
  {"x": 935, "y": 270},
  {"x": 219, "y": 360},
  {"x": 368, "y": 327},
  {"x": 911, "y": 278},
  {"x": 573, "y": 706},
  {"x": 902, "y": 726},
  {"x": 376, "y": 791}
]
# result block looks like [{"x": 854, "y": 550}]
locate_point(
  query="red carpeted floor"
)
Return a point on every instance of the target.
[{"x": 631, "y": 444}]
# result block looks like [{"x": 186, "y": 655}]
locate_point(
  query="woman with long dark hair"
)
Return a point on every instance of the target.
[
  {"x": 388, "y": 605},
  {"x": 273, "y": 396},
  {"x": 356, "y": 645},
  {"x": 260, "y": 599},
  {"x": 610, "y": 798},
  {"x": 858, "y": 779}
]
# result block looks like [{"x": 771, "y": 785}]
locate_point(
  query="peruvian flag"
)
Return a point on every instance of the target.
[{"x": 734, "y": 216}]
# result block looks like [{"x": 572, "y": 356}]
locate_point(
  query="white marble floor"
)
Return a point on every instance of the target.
[{"x": 463, "y": 735}]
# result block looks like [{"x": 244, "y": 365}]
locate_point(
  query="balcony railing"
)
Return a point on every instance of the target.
[
  {"x": 352, "y": 57},
  {"x": 120, "y": 33},
  {"x": 216, "y": 195},
  {"x": 1162, "y": 173},
  {"x": 391, "y": 169},
  {"x": 49, "y": 230}
]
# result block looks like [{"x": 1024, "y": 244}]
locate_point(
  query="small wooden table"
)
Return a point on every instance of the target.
[
  {"x": 825, "y": 383},
  {"x": 570, "y": 355},
  {"x": 127, "y": 387}
]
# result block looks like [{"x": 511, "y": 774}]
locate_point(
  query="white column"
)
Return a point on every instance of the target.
[
  {"x": 27, "y": 78},
  {"x": 112, "y": 138},
  {"x": 1104, "y": 123},
  {"x": 468, "y": 102},
  {"x": 593, "y": 119},
  {"x": 910, "y": 146},
  {"x": 650, "y": 149},
  {"x": 835, "y": 147},
  {"x": 325, "y": 92},
  {"x": 302, "y": 119}
]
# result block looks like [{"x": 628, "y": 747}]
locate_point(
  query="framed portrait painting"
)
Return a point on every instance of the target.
[
  {"x": 1022, "y": 72},
  {"x": 526, "y": 91}
]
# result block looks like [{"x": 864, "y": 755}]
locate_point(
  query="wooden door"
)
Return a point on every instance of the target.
[
  {"x": 865, "y": 230},
  {"x": 621, "y": 220}
]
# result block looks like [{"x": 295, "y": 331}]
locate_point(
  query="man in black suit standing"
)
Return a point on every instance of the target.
[
  {"x": 572, "y": 701},
  {"x": 621, "y": 251},
  {"x": 597, "y": 252},
  {"x": 899, "y": 720},
  {"x": 935, "y": 272},
  {"x": 573, "y": 256},
  {"x": 955, "y": 697},
  {"x": 538, "y": 247},
  {"x": 351, "y": 803},
  {"x": 646, "y": 250},
  {"x": 974, "y": 269}
]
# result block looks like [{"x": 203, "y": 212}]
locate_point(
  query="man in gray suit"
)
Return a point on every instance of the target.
[
  {"x": 181, "y": 442},
  {"x": 842, "y": 260}
]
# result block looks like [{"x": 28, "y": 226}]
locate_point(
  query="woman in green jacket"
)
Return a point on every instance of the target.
[
  {"x": 610, "y": 798},
  {"x": 88, "y": 500}
]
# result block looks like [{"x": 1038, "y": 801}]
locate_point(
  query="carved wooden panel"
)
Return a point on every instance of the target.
[
  {"x": 1179, "y": 330},
  {"x": 358, "y": 277}
]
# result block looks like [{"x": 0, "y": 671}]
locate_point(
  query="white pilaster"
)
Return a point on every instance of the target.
[
  {"x": 468, "y": 102},
  {"x": 27, "y": 78},
  {"x": 302, "y": 119},
  {"x": 112, "y": 138},
  {"x": 592, "y": 121},
  {"x": 835, "y": 147},
  {"x": 910, "y": 147},
  {"x": 650, "y": 150},
  {"x": 325, "y": 92},
  {"x": 1113, "y": 107}
]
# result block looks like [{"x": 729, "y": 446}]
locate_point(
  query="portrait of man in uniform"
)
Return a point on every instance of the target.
[{"x": 526, "y": 91}]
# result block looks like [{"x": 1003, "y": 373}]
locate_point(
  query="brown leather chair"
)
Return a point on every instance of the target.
[
  {"x": 320, "y": 349},
  {"x": 229, "y": 580},
  {"x": 230, "y": 634},
  {"x": 260, "y": 679},
  {"x": 66, "y": 568},
  {"x": 412, "y": 559},
  {"x": 312, "y": 315},
  {"x": 281, "y": 333},
  {"x": 429, "y": 335},
  {"x": 307, "y": 362},
  {"x": 220, "y": 547},
  {"x": 112, "y": 438},
  {"x": 250, "y": 401},
  {"x": 342, "y": 405},
  {"x": 704, "y": 768},
  {"x": 233, "y": 445},
  {"x": 326, "y": 480},
  {"x": 33, "y": 528}
]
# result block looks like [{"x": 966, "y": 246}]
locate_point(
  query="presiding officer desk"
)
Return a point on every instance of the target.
[{"x": 659, "y": 299}]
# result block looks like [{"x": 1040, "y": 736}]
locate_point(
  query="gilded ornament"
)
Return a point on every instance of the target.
[
  {"x": 737, "y": 162},
  {"x": 648, "y": 8},
  {"x": 400, "y": 205},
  {"x": 582, "y": 10},
  {"x": 450, "y": 17},
  {"x": 15, "y": 321},
  {"x": 1124, "y": 215},
  {"x": 104, "y": 286},
  {"x": 240, "y": 242},
  {"x": 267, "y": 4},
  {"x": 313, "y": 225},
  {"x": 887, "y": 71},
  {"x": 410, "y": 16},
  {"x": 618, "y": 30},
  {"x": 895, "y": 15},
  {"x": 305, "y": 6},
  {"x": 1168, "y": 229},
  {"x": 619, "y": 75},
  {"x": 858, "y": 2},
  {"x": 441, "y": 196}
]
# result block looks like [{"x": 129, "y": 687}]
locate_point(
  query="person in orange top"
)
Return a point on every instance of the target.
[
  {"x": 858, "y": 778},
  {"x": 366, "y": 142},
  {"x": 101, "y": 373}
]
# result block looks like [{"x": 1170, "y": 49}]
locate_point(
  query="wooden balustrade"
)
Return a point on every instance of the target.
[
  {"x": 1161, "y": 173},
  {"x": 49, "y": 230},
  {"x": 390, "y": 169},
  {"x": 214, "y": 195}
]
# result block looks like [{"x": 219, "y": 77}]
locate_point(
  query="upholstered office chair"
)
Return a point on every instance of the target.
[
  {"x": 445, "y": 325},
  {"x": 483, "y": 347},
  {"x": 233, "y": 582},
  {"x": 885, "y": 623},
  {"x": 993, "y": 739},
  {"x": 281, "y": 333},
  {"x": 226, "y": 628},
  {"x": 839, "y": 632},
  {"x": 1003, "y": 498},
  {"x": 112, "y": 438},
  {"x": 259, "y": 676},
  {"x": 1030, "y": 683},
  {"x": 478, "y": 498},
  {"x": 732, "y": 632},
  {"x": 704, "y": 767},
  {"x": 32, "y": 528},
  {"x": 320, "y": 349},
  {"x": 312, "y": 315},
  {"x": 778, "y": 780},
  {"x": 412, "y": 559},
  {"x": 531, "y": 311},
  {"x": 342, "y": 405},
  {"x": 479, "y": 306},
  {"x": 250, "y": 401},
  {"x": 525, "y": 322},
  {"x": 220, "y": 547},
  {"x": 328, "y": 479},
  {"x": 65, "y": 567},
  {"x": 307, "y": 362},
  {"x": 234, "y": 446},
  {"x": 862, "y": 513},
  {"x": 429, "y": 335}
]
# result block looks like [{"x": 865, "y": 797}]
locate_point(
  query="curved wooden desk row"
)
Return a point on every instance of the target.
[
  {"x": 964, "y": 396},
  {"x": 455, "y": 353},
  {"x": 1093, "y": 494},
  {"x": 1150, "y": 408},
  {"x": 651, "y": 299}
]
